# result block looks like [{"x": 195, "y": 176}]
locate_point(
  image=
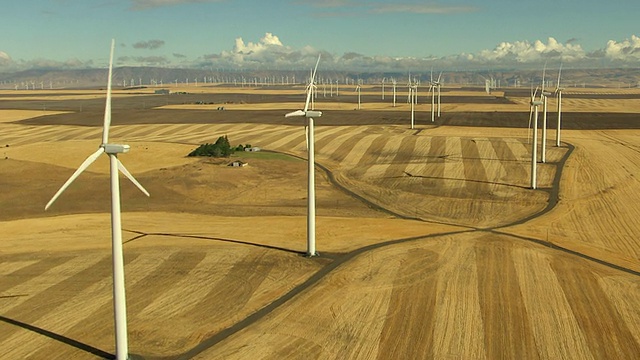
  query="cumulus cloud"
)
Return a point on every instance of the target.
[
  {"x": 268, "y": 52},
  {"x": 271, "y": 52},
  {"x": 151, "y": 44},
  {"x": 5, "y": 59},
  {"x": 526, "y": 52},
  {"x": 269, "y": 40},
  {"x": 626, "y": 50},
  {"x": 139, "y": 5}
]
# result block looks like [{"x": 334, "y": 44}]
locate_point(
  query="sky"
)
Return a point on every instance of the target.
[{"x": 289, "y": 34}]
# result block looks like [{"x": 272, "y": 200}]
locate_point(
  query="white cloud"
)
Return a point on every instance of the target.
[
  {"x": 267, "y": 41},
  {"x": 4, "y": 58},
  {"x": 270, "y": 53},
  {"x": 626, "y": 50},
  {"x": 526, "y": 52}
]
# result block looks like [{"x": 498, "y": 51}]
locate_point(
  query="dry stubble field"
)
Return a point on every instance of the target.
[{"x": 432, "y": 245}]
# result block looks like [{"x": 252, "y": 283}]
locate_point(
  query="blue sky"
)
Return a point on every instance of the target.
[{"x": 290, "y": 33}]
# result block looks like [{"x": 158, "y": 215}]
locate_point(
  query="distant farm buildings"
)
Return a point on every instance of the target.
[
  {"x": 252, "y": 149},
  {"x": 238, "y": 163},
  {"x": 162, "y": 92}
]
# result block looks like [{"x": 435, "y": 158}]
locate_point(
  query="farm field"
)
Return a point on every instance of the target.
[{"x": 432, "y": 244}]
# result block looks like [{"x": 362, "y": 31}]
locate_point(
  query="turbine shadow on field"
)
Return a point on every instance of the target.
[
  {"x": 61, "y": 338},
  {"x": 409, "y": 175},
  {"x": 211, "y": 238}
]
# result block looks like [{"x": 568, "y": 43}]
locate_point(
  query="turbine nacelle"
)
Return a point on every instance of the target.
[{"x": 115, "y": 148}]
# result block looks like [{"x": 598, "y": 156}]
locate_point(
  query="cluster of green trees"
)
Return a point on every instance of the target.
[{"x": 221, "y": 148}]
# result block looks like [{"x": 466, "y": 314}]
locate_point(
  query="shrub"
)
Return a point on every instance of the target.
[{"x": 221, "y": 148}]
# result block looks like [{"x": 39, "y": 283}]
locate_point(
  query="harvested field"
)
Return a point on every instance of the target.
[{"x": 432, "y": 244}]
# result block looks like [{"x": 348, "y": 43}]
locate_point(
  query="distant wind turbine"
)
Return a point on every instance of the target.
[
  {"x": 394, "y": 82},
  {"x": 544, "y": 95},
  {"x": 559, "y": 95},
  {"x": 533, "y": 114}
]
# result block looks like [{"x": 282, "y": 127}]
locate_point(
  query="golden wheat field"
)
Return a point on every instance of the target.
[{"x": 432, "y": 243}]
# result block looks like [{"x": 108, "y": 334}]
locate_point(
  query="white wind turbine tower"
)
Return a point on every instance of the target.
[
  {"x": 383, "y": 80},
  {"x": 394, "y": 82},
  {"x": 533, "y": 111},
  {"x": 311, "y": 192},
  {"x": 438, "y": 85},
  {"x": 432, "y": 90},
  {"x": 358, "y": 90},
  {"x": 112, "y": 150},
  {"x": 559, "y": 95},
  {"x": 544, "y": 95}
]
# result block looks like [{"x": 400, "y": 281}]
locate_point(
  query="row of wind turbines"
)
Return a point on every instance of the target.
[
  {"x": 412, "y": 96},
  {"x": 534, "y": 103}
]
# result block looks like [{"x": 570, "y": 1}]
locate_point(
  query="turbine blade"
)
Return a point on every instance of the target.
[
  {"x": 313, "y": 77},
  {"x": 107, "y": 107},
  {"x": 306, "y": 104},
  {"x": 295, "y": 113},
  {"x": 130, "y": 177},
  {"x": 559, "y": 73},
  {"x": 544, "y": 72},
  {"x": 88, "y": 161},
  {"x": 439, "y": 76},
  {"x": 306, "y": 136},
  {"x": 529, "y": 127}
]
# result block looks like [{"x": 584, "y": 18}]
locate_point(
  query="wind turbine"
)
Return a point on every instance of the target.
[
  {"x": 412, "y": 97},
  {"x": 383, "y": 80},
  {"x": 438, "y": 84},
  {"x": 559, "y": 95},
  {"x": 410, "y": 94},
  {"x": 533, "y": 111},
  {"x": 311, "y": 192},
  {"x": 112, "y": 150},
  {"x": 358, "y": 90},
  {"x": 433, "y": 87}
]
